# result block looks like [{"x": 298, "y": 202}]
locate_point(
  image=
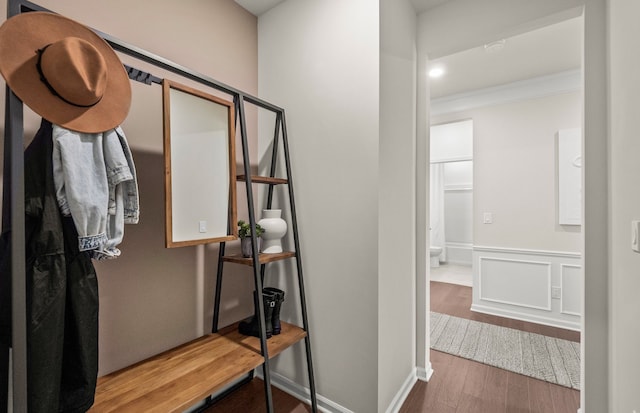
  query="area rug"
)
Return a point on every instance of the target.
[{"x": 546, "y": 358}]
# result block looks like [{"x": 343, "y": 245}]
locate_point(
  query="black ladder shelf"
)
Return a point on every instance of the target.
[
  {"x": 258, "y": 261},
  {"x": 178, "y": 378}
]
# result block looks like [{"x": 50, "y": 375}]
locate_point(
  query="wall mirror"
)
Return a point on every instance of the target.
[{"x": 199, "y": 156}]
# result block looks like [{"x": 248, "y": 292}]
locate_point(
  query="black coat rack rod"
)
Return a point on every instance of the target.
[{"x": 20, "y": 6}]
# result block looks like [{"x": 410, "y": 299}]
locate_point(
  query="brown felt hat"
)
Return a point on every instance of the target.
[{"x": 64, "y": 71}]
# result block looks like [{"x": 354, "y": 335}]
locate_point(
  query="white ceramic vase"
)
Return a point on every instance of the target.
[{"x": 274, "y": 229}]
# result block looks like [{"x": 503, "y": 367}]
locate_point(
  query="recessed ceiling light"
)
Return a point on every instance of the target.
[
  {"x": 436, "y": 72},
  {"x": 495, "y": 47}
]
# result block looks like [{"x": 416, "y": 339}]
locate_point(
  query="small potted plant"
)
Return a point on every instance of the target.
[{"x": 244, "y": 232}]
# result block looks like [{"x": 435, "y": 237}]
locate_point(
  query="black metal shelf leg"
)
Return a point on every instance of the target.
[
  {"x": 256, "y": 263},
  {"x": 296, "y": 240}
]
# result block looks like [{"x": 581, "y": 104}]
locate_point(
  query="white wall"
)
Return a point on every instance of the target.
[
  {"x": 396, "y": 198},
  {"x": 595, "y": 396},
  {"x": 458, "y": 186},
  {"x": 458, "y": 204},
  {"x": 319, "y": 60},
  {"x": 359, "y": 173},
  {"x": 624, "y": 204},
  {"x": 514, "y": 172},
  {"x": 423, "y": 177}
]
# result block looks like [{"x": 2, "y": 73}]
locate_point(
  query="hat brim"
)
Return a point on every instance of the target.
[{"x": 22, "y": 35}]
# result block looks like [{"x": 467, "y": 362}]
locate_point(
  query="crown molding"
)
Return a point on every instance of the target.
[{"x": 562, "y": 82}]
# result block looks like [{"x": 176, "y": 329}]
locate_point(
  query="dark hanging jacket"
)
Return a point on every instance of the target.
[{"x": 62, "y": 294}]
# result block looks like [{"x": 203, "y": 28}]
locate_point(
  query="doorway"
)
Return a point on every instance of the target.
[
  {"x": 451, "y": 201},
  {"x": 482, "y": 216}
]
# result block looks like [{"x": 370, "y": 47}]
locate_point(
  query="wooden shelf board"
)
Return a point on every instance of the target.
[
  {"x": 263, "y": 258},
  {"x": 179, "y": 378},
  {"x": 289, "y": 335},
  {"x": 263, "y": 180}
]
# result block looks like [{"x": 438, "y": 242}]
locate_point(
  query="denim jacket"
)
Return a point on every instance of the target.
[{"x": 96, "y": 184}]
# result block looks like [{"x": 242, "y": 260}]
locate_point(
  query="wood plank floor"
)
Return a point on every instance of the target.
[
  {"x": 250, "y": 398},
  {"x": 465, "y": 386},
  {"x": 459, "y": 385}
]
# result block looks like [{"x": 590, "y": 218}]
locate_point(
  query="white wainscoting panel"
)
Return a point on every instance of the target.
[
  {"x": 518, "y": 283},
  {"x": 571, "y": 283}
]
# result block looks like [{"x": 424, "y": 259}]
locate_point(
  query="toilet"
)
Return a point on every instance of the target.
[{"x": 435, "y": 256}]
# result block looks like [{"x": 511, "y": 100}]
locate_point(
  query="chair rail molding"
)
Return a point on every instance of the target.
[{"x": 549, "y": 253}]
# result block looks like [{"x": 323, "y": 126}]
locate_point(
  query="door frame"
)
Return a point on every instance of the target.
[{"x": 595, "y": 256}]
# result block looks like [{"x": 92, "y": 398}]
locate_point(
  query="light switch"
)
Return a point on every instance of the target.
[
  {"x": 203, "y": 226},
  {"x": 635, "y": 236},
  {"x": 488, "y": 218},
  {"x": 556, "y": 292}
]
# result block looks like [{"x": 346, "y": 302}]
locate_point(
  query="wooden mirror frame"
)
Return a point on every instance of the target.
[{"x": 189, "y": 169}]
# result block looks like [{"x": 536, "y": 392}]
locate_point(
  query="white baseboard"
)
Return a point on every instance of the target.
[
  {"x": 325, "y": 405},
  {"x": 402, "y": 394},
  {"x": 302, "y": 393},
  {"x": 568, "y": 325},
  {"x": 424, "y": 374}
]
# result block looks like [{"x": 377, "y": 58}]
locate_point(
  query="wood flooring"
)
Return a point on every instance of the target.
[
  {"x": 464, "y": 386},
  {"x": 250, "y": 398},
  {"x": 458, "y": 385}
]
